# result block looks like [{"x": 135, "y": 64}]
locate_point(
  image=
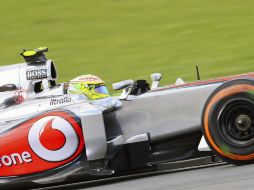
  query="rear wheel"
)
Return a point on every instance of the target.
[{"x": 228, "y": 121}]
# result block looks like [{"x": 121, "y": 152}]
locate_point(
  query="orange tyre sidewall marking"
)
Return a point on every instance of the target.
[{"x": 222, "y": 94}]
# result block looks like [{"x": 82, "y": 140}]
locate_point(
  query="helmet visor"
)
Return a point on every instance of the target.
[{"x": 101, "y": 90}]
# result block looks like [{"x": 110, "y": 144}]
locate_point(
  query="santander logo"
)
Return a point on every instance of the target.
[
  {"x": 53, "y": 139},
  {"x": 46, "y": 142}
]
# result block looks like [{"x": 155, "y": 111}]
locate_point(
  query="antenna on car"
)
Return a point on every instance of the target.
[{"x": 197, "y": 70}]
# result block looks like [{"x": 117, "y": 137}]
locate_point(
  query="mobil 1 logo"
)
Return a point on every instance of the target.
[{"x": 36, "y": 74}]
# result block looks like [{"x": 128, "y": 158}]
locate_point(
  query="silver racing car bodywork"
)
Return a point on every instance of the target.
[
  {"x": 164, "y": 114},
  {"x": 27, "y": 75},
  {"x": 48, "y": 134}
]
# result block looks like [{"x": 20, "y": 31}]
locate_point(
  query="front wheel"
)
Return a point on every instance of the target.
[{"x": 228, "y": 121}]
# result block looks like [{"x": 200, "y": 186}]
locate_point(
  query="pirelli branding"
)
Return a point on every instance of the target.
[{"x": 36, "y": 74}]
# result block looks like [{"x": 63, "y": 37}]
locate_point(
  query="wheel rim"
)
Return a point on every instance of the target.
[{"x": 236, "y": 121}]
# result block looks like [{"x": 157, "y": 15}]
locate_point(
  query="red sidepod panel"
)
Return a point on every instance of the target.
[{"x": 48, "y": 141}]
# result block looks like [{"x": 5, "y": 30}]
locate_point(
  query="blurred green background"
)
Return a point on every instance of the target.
[{"x": 122, "y": 39}]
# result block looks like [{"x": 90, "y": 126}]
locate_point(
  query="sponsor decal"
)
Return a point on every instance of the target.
[
  {"x": 87, "y": 78},
  {"x": 15, "y": 158},
  {"x": 45, "y": 142},
  {"x": 44, "y": 130},
  {"x": 20, "y": 96},
  {"x": 58, "y": 101},
  {"x": 36, "y": 74}
]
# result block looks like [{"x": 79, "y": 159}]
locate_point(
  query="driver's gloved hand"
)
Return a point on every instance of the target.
[{"x": 140, "y": 87}]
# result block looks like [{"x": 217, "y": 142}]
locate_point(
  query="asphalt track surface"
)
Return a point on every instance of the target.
[{"x": 208, "y": 178}]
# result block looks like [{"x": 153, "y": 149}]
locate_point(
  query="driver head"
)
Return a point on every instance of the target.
[{"x": 90, "y": 85}]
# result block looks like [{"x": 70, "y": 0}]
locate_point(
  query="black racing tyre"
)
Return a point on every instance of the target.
[{"x": 228, "y": 121}]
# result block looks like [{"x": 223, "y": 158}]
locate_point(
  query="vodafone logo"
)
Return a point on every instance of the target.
[
  {"x": 53, "y": 139},
  {"x": 48, "y": 141}
]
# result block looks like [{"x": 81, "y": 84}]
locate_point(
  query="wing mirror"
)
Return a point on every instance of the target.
[
  {"x": 122, "y": 85},
  {"x": 8, "y": 87},
  {"x": 125, "y": 86},
  {"x": 155, "y": 77}
]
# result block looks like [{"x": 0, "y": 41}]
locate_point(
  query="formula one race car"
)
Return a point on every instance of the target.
[{"x": 47, "y": 134}]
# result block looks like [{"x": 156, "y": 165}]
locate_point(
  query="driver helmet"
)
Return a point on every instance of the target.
[{"x": 90, "y": 85}]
